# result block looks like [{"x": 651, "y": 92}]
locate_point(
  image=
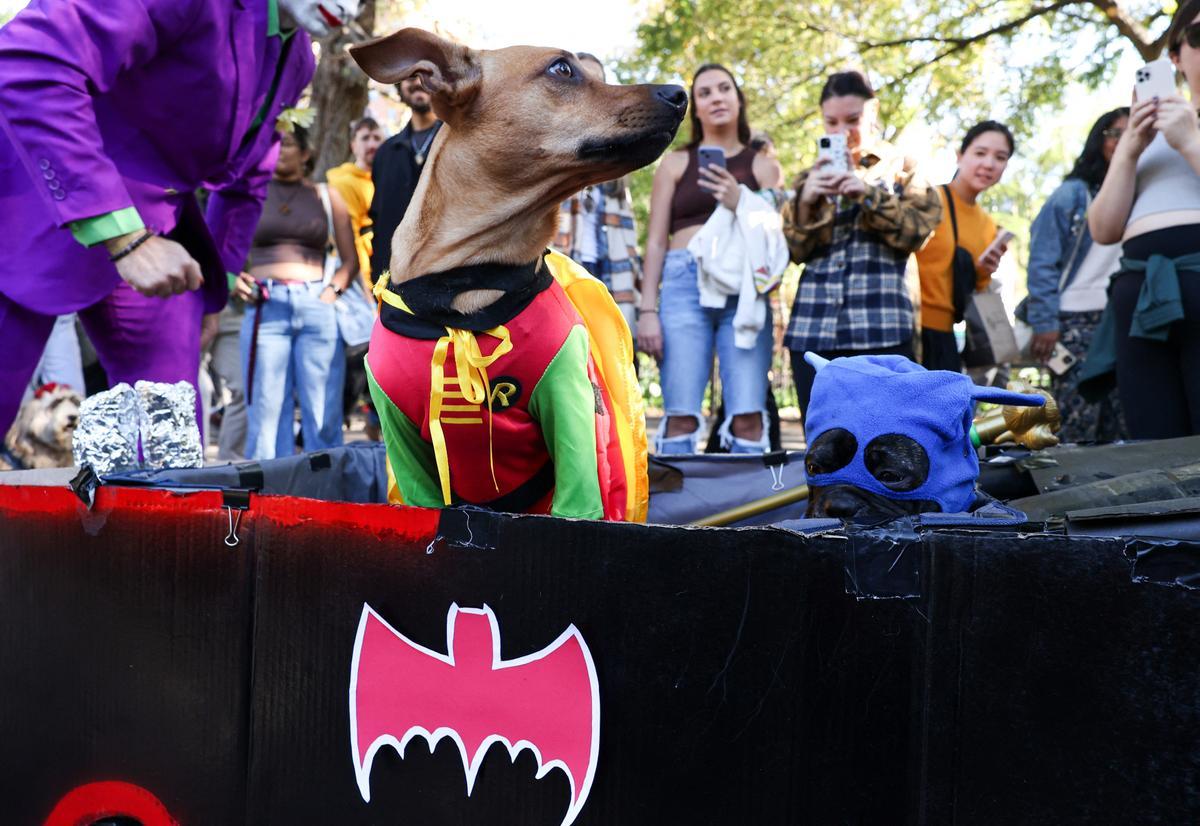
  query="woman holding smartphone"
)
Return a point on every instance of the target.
[
  {"x": 1150, "y": 203},
  {"x": 1068, "y": 283},
  {"x": 982, "y": 159},
  {"x": 853, "y": 226},
  {"x": 674, "y": 328}
]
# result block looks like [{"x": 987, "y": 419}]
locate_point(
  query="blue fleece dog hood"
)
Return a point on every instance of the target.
[{"x": 872, "y": 396}]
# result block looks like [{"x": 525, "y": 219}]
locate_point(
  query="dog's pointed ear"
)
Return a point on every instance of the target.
[{"x": 449, "y": 71}]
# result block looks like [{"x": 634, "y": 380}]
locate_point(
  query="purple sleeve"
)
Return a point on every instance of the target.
[
  {"x": 54, "y": 55},
  {"x": 233, "y": 211}
]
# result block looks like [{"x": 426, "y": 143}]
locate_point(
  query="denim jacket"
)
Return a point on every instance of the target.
[{"x": 1058, "y": 238}]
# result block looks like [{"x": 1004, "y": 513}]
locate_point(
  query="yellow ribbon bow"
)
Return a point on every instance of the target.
[{"x": 471, "y": 382}]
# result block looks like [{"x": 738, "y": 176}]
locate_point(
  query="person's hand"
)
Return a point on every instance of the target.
[
  {"x": 1042, "y": 345},
  {"x": 208, "y": 330},
  {"x": 989, "y": 262},
  {"x": 851, "y": 186},
  {"x": 820, "y": 183},
  {"x": 1140, "y": 131},
  {"x": 246, "y": 288},
  {"x": 329, "y": 294},
  {"x": 1176, "y": 119},
  {"x": 159, "y": 267},
  {"x": 649, "y": 334},
  {"x": 721, "y": 183}
]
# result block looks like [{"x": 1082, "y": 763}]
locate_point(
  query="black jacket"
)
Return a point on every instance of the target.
[{"x": 395, "y": 173}]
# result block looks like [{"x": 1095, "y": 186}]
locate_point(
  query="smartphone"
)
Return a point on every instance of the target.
[
  {"x": 1003, "y": 236},
  {"x": 833, "y": 147},
  {"x": 710, "y": 156},
  {"x": 1155, "y": 79},
  {"x": 1061, "y": 360}
]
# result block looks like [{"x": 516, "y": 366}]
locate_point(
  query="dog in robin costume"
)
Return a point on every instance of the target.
[
  {"x": 502, "y": 372},
  {"x": 888, "y": 438}
]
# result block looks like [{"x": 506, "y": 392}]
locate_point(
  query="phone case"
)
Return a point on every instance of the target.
[
  {"x": 710, "y": 156},
  {"x": 1155, "y": 79},
  {"x": 1061, "y": 360},
  {"x": 834, "y": 148}
]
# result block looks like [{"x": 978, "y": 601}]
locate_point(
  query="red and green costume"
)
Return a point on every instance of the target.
[{"x": 529, "y": 406}]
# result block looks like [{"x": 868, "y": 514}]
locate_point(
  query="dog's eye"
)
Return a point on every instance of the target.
[{"x": 561, "y": 68}]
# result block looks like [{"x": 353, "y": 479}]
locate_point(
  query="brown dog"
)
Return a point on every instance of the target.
[
  {"x": 495, "y": 386},
  {"x": 528, "y": 127},
  {"x": 40, "y": 437}
]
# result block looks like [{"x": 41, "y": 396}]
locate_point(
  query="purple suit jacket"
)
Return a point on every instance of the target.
[{"x": 107, "y": 104}]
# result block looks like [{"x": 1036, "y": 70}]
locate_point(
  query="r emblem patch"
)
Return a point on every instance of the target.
[{"x": 506, "y": 391}]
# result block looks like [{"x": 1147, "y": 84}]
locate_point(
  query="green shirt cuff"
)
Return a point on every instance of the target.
[
  {"x": 93, "y": 231},
  {"x": 231, "y": 280}
]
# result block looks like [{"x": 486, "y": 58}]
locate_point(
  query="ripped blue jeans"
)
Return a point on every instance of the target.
[{"x": 691, "y": 334}]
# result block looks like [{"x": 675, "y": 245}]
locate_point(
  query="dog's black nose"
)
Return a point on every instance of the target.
[
  {"x": 674, "y": 96},
  {"x": 837, "y": 503}
]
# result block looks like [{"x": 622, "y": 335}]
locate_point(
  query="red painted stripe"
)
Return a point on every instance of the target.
[
  {"x": 86, "y": 804},
  {"x": 410, "y": 524}
]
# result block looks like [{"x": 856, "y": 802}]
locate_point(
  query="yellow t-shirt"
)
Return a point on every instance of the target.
[
  {"x": 935, "y": 260},
  {"x": 357, "y": 189}
]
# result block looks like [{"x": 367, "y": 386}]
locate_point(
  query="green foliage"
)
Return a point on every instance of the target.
[
  {"x": 948, "y": 62},
  {"x": 939, "y": 64}
]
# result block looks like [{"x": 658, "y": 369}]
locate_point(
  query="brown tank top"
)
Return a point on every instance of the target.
[
  {"x": 293, "y": 228},
  {"x": 690, "y": 205}
]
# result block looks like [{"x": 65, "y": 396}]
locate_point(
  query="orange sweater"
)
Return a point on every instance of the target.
[{"x": 934, "y": 261}]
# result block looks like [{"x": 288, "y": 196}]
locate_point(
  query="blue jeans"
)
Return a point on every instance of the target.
[
  {"x": 300, "y": 357},
  {"x": 690, "y": 334}
]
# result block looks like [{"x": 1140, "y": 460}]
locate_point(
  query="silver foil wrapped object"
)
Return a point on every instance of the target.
[
  {"x": 107, "y": 435},
  {"x": 170, "y": 435}
]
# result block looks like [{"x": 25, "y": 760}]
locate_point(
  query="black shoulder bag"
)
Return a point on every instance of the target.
[{"x": 962, "y": 266}]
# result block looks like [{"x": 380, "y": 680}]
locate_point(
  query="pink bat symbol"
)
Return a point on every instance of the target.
[{"x": 548, "y": 702}]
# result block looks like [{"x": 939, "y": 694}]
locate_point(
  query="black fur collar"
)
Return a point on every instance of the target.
[{"x": 429, "y": 297}]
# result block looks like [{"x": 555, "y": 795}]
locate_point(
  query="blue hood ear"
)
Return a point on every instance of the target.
[
  {"x": 816, "y": 362},
  {"x": 996, "y": 395}
]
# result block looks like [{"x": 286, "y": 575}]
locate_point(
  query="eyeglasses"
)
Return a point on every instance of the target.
[
  {"x": 1113, "y": 133},
  {"x": 1191, "y": 35}
]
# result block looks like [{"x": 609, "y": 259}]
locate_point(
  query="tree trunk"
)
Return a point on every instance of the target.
[{"x": 339, "y": 94}]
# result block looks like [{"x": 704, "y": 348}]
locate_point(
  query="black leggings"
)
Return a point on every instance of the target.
[{"x": 1159, "y": 381}]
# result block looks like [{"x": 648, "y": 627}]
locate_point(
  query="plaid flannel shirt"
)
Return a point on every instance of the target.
[
  {"x": 618, "y": 263},
  {"x": 852, "y": 294}
]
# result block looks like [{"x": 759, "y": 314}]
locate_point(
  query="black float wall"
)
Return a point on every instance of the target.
[{"x": 1031, "y": 681}]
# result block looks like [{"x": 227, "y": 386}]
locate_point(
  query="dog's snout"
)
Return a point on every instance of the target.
[{"x": 674, "y": 96}]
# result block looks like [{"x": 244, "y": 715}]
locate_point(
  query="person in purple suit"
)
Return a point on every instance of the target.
[{"x": 112, "y": 114}]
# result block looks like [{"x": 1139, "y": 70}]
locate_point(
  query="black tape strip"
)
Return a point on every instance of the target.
[
  {"x": 1171, "y": 562},
  {"x": 250, "y": 476},
  {"x": 884, "y": 563},
  {"x": 468, "y": 527},
  {"x": 85, "y": 484},
  {"x": 320, "y": 461}
]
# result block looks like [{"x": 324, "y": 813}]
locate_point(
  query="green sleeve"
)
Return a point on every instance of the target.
[
  {"x": 93, "y": 231},
  {"x": 412, "y": 459},
  {"x": 564, "y": 404}
]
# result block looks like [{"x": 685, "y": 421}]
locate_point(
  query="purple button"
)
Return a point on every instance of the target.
[
  {"x": 48, "y": 174},
  {"x": 44, "y": 163},
  {"x": 59, "y": 195}
]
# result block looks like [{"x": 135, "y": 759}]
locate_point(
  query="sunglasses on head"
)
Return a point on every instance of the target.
[
  {"x": 1113, "y": 132},
  {"x": 1191, "y": 35}
]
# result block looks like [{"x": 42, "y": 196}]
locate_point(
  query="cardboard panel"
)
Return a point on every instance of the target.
[
  {"x": 1026, "y": 679},
  {"x": 125, "y": 649}
]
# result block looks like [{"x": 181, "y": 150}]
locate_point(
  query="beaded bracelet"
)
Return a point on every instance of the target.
[{"x": 131, "y": 246}]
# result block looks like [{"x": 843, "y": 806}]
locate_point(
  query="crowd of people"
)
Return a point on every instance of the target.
[{"x": 1113, "y": 297}]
